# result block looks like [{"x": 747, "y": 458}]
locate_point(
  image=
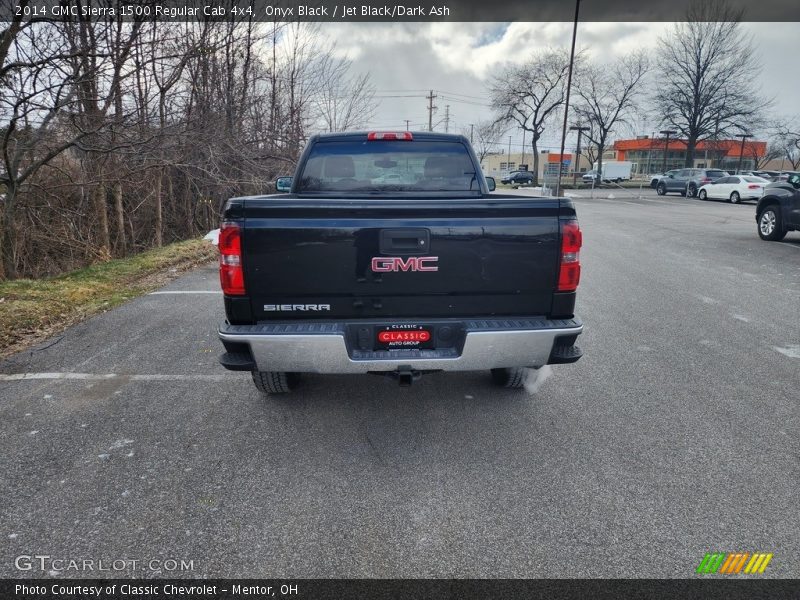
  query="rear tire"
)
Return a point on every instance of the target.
[
  {"x": 692, "y": 191},
  {"x": 661, "y": 189},
  {"x": 512, "y": 378},
  {"x": 735, "y": 198},
  {"x": 275, "y": 382},
  {"x": 703, "y": 195},
  {"x": 770, "y": 227}
]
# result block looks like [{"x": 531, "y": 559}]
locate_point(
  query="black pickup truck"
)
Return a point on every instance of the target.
[{"x": 389, "y": 255}]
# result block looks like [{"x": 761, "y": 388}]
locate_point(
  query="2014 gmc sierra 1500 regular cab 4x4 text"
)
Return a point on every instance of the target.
[{"x": 389, "y": 255}]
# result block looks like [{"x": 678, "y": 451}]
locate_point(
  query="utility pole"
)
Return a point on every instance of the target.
[
  {"x": 447, "y": 118},
  {"x": 741, "y": 152},
  {"x": 522, "y": 160},
  {"x": 566, "y": 100},
  {"x": 471, "y": 132},
  {"x": 407, "y": 122},
  {"x": 666, "y": 132},
  {"x": 431, "y": 108},
  {"x": 580, "y": 130},
  {"x": 508, "y": 162}
]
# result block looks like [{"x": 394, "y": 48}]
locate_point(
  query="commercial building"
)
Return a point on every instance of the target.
[
  {"x": 499, "y": 164},
  {"x": 647, "y": 154}
]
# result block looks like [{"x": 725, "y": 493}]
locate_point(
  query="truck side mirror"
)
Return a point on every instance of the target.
[
  {"x": 491, "y": 184},
  {"x": 283, "y": 184}
]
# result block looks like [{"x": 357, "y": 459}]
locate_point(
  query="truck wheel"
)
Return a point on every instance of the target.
[
  {"x": 511, "y": 378},
  {"x": 770, "y": 227},
  {"x": 275, "y": 382},
  {"x": 661, "y": 190}
]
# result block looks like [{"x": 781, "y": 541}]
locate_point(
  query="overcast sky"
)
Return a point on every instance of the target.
[{"x": 458, "y": 59}]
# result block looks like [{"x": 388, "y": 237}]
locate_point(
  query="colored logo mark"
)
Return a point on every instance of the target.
[{"x": 733, "y": 563}]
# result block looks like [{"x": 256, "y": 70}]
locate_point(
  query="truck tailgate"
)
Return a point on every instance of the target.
[{"x": 362, "y": 258}]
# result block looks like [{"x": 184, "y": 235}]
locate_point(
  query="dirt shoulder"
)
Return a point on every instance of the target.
[{"x": 33, "y": 310}]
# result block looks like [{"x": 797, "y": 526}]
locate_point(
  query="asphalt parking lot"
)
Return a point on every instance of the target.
[{"x": 675, "y": 435}]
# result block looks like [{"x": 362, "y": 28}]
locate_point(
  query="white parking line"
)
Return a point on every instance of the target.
[
  {"x": 107, "y": 376},
  {"x": 185, "y": 292}
]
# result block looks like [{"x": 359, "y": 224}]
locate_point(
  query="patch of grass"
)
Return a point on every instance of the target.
[{"x": 32, "y": 309}]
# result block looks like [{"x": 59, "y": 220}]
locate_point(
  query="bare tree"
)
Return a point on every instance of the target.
[
  {"x": 706, "y": 69},
  {"x": 607, "y": 98},
  {"x": 531, "y": 94},
  {"x": 117, "y": 136},
  {"x": 37, "y": 98},
  {"x": 486, "y": 136},
  {"x": 343, "y": 102},
  {"x": 774, "y": 150},
  {"x": 787, "y": 137}
]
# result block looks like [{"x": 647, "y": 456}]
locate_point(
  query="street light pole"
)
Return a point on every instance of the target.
[
  {"x": 566, "y": 100},
  {"x": 741, "y": 152},
  {"x": 580, "y": 130},
  {"x": 666, "y": 132}
]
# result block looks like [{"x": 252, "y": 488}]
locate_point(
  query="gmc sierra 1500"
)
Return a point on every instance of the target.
[{"x": 389, "y": 255}]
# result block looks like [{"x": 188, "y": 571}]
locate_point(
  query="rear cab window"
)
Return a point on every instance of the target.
[{"x": 380, "y": 166}]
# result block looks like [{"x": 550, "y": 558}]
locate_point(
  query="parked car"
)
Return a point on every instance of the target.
[
  {"x": 734, "y": 188},
  {"x": 518, "y": 178},
  {"x": 686, "y": 182},
  {"x": 784, "y": 175},
  {"x": 656, "y": 178},
  {"x": 778, "y": 210}
]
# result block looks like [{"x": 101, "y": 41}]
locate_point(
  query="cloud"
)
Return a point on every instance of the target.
[{"x": 461, "y": 58}]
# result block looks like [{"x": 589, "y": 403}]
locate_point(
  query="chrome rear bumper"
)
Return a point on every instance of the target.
[{"x": 323, "y": 347}]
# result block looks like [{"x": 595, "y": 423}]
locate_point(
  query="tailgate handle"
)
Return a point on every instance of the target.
[{"x": 405, "y": 241}]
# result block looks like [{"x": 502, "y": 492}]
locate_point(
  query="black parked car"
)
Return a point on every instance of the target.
[
  {"x": 518, "y": 178},
  {"x": 778, "y": 211}
]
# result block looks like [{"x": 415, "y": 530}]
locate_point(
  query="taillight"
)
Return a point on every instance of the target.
[
  {"x": 399, "y": 136},
  {"x": 569, "y": 273},
  {"x": 753, "y": 186},
  {"x": 231, "y": 275},
  {"x": 705, "y": 180}
]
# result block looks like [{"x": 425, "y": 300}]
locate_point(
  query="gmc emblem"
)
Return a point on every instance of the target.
[{"x": 383, "y": 264}]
